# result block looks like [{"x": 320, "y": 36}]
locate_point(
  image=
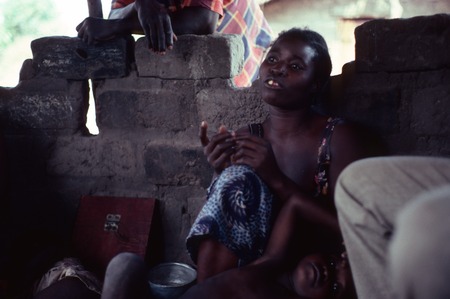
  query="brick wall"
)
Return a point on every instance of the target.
[{"x": 149, "y": 108}]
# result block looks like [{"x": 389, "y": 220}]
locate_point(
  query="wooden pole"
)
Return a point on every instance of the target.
[{"x": 95, "y": 8}]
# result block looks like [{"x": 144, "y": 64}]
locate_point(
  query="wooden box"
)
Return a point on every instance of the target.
[{"x": 106, "y": 226}]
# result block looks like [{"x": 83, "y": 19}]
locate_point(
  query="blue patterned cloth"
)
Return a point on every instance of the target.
[{"x": 238, "y": 213}]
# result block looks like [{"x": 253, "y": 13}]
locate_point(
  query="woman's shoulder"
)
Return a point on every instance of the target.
[{"x": 349, "y": 136}]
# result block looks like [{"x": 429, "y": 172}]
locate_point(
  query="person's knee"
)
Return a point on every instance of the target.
[
  {"x": 126, "y": 262},
  {"x": 427, "y": 213},
  {"x": 240, "y": 177},
  {"x": 361, "y": 182},
  {"x": 347, "y": 183},
  {"x": 239, "y": 170},
  {"x": 341, "y": 189},
  {"x": 420, "y": 242}
]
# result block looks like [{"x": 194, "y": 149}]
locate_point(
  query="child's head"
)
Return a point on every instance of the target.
[{"x": 323, "y": 276}]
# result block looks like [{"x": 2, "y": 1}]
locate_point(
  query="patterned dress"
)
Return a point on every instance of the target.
[
  {"x": 242, "y": 17},
  {"x": 240, "y": 209}
]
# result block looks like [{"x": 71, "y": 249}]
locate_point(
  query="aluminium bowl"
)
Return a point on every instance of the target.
[{"x": 171, "y": 280}]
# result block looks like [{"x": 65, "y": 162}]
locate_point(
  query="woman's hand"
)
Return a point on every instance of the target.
[
  {"x": 219, "y": 148},
  {"x": 258, "y": 154}
]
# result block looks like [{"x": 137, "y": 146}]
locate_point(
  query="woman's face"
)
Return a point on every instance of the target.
[
  {"x": 322, "y": 276},
  {"x": 287, "y": 74}
]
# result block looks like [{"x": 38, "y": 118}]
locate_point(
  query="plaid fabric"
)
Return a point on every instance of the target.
[
  {"x": 174, "y": 5},
  {"x": 243, "y": 17},
  {"x": 120, "y": 3},
  {"x": 214, "y": 5}
]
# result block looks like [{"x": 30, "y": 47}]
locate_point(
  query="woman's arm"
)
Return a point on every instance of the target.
[
  {"x": 292, "y": 234},
  {"x": 348, "y": 144}
]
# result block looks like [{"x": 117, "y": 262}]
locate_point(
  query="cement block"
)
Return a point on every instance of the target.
[
  {"x": 27, "y": 155},
  {"x": 27, "y": 71},
  {"x": 219, "y": 106},
  {"x": 193, "y": 57},
  {"x": 433, "y": 146},
  {"x": 70, "y": 58},
  {"x": 179, "y": 208},
  {"x": 430, "y": 113},
  {"x": 31, "y": 106},
  {"x": 93, "y": 156},
  {"x": 176, "y": 165},
  {"x": 399, "y": 45},
  {"x": 167, "y": 106},
  {"x": 372, "y": 100}
]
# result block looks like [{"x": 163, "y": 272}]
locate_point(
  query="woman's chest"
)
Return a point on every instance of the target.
[{"x": 298, "y": 161}]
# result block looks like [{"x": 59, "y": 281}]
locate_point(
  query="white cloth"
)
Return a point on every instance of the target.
[
  {"x": 69, "y": 267},
  {"x": 369, "y": 196}
]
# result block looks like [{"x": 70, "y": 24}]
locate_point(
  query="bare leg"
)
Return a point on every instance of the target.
[
  {"x": 126, "y": 277},
  {"x": 214, "y": 258}
]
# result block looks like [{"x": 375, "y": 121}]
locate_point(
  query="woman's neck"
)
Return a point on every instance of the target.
[{"x": 290, "y": 123}]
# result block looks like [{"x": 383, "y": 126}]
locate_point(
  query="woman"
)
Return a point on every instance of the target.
[{"x": 294, "y": 156}]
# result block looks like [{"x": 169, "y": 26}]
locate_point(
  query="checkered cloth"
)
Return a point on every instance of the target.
[
  {"x": 246, "y": 18},
  {"x": 243, "y": 17}
]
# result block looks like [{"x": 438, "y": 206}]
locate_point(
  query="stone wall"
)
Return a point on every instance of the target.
[
  {"x": 399, "y": 83},
  {"x": 337, "y": 19},
  {"x": 149, "y": 108}
]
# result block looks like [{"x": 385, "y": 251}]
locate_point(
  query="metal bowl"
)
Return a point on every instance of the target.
[{"x": 171, "y": 280}]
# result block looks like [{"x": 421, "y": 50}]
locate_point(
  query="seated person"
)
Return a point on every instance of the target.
[
  {"x": 161, "y": 21},
  {"x": 393, "y": 212},
  {"x": 295, "y": 155}
]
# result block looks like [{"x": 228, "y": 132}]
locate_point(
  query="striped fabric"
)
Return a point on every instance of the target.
[
  {"x": 120, "y": 3},
  {"x": 243, "y": 17}
]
